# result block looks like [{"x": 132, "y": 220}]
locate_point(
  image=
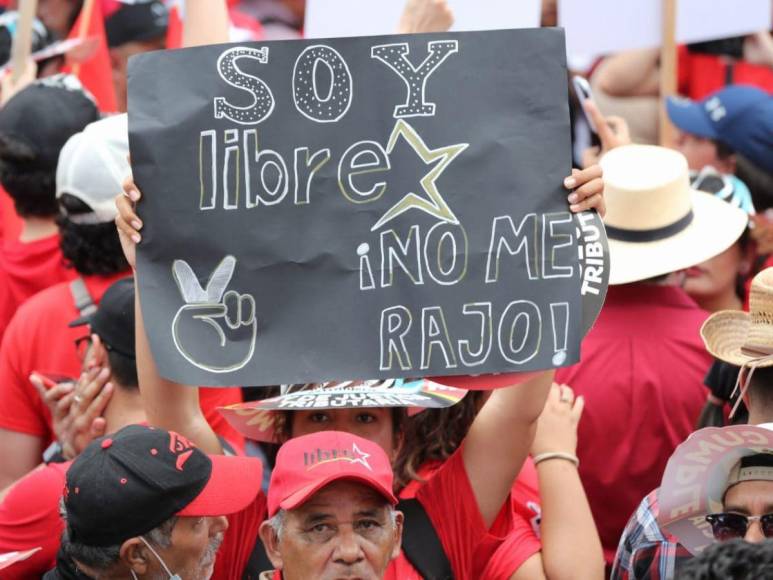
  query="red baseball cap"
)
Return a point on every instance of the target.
[{"x": 306, "y": 464}]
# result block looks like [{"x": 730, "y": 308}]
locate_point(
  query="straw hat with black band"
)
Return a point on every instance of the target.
[
  {"x": 656, "y": 223},
  {"x": 744, "y": 339}
]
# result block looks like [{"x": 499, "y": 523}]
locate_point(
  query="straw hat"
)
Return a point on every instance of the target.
[
  {"x": 742, "y": 338},
  {"x": 657, "y": 224}
]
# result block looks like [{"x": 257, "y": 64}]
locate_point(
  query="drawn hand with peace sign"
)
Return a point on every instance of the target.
[{"x": 214, "y": 330}]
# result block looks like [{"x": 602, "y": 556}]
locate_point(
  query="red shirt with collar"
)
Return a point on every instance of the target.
[
  {"x": 29, "y": 518},
  {"x": 523, "y": 539},
  {"x": 26, "y": 268},
  {"x": 39, "y": 339},
  {"x": 641, "y": 373},
  {"x": 449, "y": 502}
]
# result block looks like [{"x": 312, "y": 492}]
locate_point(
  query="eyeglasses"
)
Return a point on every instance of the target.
[{"x": 727, "y": 526}]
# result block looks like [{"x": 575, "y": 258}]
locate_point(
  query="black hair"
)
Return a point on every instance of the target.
[
  {"x": 30, "y": 182},
  {"x": 89, "y": 248},
  {"x": 761, "y": 390},
  {"x": 731, "y": 560},
  {"x": 123, "y": 369},
  {"x": 759, "y": 182},
  {"x": 724, "y": 151}
]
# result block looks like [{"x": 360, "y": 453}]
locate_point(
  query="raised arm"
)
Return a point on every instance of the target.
[
  {"x": 501, "y": 435},
  {"x": 168, "y": 404},
  {"x": 571, "y": 548},
  {"x": 206, "y": 22},
  {"x": 633, "y": 73}
]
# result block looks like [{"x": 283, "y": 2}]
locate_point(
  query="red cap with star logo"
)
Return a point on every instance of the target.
[{"x": 306, "y": 464}]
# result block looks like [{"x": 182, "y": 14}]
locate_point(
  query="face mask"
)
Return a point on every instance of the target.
[{"x": 160, "y": 561}]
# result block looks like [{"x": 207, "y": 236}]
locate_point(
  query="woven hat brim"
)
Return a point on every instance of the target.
[
  {"x": 724, "y": 333},
  {"x": 715, "y": 227}
]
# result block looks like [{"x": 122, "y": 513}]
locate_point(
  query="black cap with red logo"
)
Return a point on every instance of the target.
[{"x": 129, "y": 483}]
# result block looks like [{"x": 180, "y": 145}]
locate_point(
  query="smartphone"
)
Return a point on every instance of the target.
[
  {"x": 50, "y": 380},
  {"x": 583, "y": 91}
]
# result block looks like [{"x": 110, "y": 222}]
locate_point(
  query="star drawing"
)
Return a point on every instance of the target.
[{"x": 435, "y": 205}]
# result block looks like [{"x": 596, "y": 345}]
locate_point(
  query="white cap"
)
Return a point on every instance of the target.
[{"x": 92, "y": 167}]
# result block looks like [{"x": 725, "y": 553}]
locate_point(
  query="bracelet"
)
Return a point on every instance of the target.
[{"x": 556, "y": 455}]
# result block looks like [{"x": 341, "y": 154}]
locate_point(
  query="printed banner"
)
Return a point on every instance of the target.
[{"x": 360, "y": 208}]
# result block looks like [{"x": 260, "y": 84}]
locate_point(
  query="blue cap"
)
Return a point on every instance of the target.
[{"x": 738, "y": 115}]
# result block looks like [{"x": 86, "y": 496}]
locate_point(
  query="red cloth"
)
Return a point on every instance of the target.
[
  {"x": 461, "y": 530},
  {"x": 96, "y": 73},
  {"x": 174, "y": 31},
  {"x": 701, "y": 74},
  {"x": 29, "y": 518},
  {"x": 10, "y": 222},
  {"x": 38, "y": 339},
  {"x": 641, "y": 373},
  {"x": 25, "y": 270},
  {"x": 523, "y": 538}
]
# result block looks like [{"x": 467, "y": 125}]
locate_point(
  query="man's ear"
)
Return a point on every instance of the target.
[
  {"x": 271, "y": 544},
  {"x": 399, "y": 518},
  {"x": 134, "y": 556}
]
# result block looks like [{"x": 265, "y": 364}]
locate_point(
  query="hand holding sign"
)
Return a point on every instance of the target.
[{"x": 230, "y": 317}]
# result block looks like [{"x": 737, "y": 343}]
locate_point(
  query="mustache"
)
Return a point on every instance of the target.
[{"x": 211, "y": 552}]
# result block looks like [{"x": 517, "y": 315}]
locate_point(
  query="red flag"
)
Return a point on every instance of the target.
[
  {"x": 96, "y": 73},
  {"x": 174, "y": 31}
]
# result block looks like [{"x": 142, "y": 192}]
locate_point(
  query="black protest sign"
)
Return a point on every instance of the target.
[{"x": 358, "y": 208}]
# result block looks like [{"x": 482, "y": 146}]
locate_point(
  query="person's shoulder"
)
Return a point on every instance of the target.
[{"x": 46, "y": 300}]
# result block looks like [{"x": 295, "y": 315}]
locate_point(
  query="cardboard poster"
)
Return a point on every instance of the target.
[
  {"x": 360, "y": 208},
  {"x": 598, "y": 27},
  {"x": 326, "y": 18}
]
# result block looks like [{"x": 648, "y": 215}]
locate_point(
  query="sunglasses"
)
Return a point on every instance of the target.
[{"x": 727, "y": 526}]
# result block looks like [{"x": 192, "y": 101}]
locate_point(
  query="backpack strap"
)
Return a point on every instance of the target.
[
  {"x": 421, "y": 543},
  {"x": 421, "y": 546},
  {"x": 84, "y": 303}
]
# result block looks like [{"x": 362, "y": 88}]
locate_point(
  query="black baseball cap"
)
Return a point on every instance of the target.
[
  {"x": 137, "y": 22},
  {"x": 113, "y": 321},
  {"x": 129, "y": 483},
  {"x": 46, "y": 114}
]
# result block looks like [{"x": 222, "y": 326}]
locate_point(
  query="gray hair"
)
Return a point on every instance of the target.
[{"x": 102, "y": 558}]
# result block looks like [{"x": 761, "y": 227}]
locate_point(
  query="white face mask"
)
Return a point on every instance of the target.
[{"x": 160, "y": 560}]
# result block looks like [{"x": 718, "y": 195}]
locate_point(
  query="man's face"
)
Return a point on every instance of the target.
[
  {"x": 344, "y": 531},
  {"x": 57, "y": 15},
  {"x": 372, "y": 424},
  {"x": 194, "y": 546},
  {"x": 699, "y": 152},
  {"x": 119, "y": 59},
  {"x": 751, "y": 498}
]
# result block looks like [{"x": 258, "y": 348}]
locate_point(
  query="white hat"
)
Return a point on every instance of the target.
[
  {"x": 657, "y": 224},
  {"x": 92, "y": 167}
]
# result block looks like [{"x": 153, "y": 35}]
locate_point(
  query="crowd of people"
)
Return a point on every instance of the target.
[{"x": 651, "y": 458}]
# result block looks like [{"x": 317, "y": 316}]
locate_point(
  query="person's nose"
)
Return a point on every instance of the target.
[
  {"x": 217, "y": 525},
  {"x": 754, "y": 533},
  {"x": 348, "y": 550}
]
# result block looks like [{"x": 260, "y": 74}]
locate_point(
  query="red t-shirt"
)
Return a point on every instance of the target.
[
  {"x": 29, "y": 518},
  {"x": 449, "y": 502},
  {"x": 523, "y": 539},
  {"x": 38, "y": 339},
  {"x": 26, "y": 269},
  {"x": 701, "y": 74},
  {"x": 10, "y": 223},
  {"x": 641, "y": 374}
]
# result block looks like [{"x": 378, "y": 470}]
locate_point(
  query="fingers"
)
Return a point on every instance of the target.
[
  {"x": 62, "y": 407},
  {"x": 126, "y": 220},
  {"x": 98, "y": 428},
  {"x": 130, "y": 190},
  {"x": 579, "y": 405},
  {"x": 588, "y": 190},
  {"x": 619, "y": 127},
  {"x": 604, "y": 131},
  {"x": 591, "y": 156},
  {"x": 567, "y": 394},
  {"x": 85, "y": 422}
]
